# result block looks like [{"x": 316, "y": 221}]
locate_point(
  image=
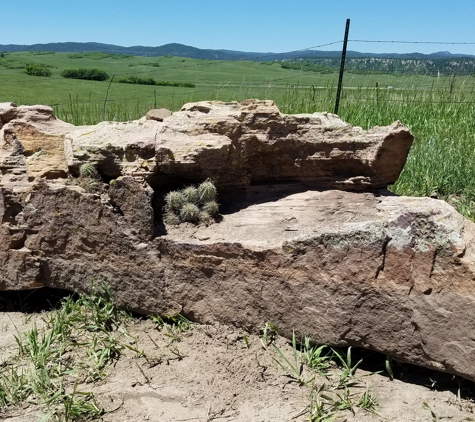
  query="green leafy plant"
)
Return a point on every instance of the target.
[
  {"x": 340, "y": 401},
  {"x": 432, "y": 413},
  {"x": 367, "y": 401},
  {"x": 293, "y": 366},
  {"x": 325, "y": 404},
  {"x": 316, "y": 357},
  {"x": 348, "y": 368},
  {"x": 173, "y": 327},
  {"x": 245, "y": 339},
  {"x": 176, "y": 320},
  {"x": 389, "y": 367},
  {"x": 269, "y": 333},
  {"x": 318, "y": 409}
]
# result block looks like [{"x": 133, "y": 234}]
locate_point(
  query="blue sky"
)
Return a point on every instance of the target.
[{"x": 246, "y": 25}]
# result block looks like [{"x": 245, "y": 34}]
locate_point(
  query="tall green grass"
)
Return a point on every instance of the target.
[{"x": 441, "y": 161}]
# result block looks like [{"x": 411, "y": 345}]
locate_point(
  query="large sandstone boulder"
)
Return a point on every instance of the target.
[
  {"x": 370, "y": 269},
  {"x": 241, "y": 144}
]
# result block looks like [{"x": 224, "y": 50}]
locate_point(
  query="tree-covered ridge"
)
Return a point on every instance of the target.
[{"x": 430, "y": 67}]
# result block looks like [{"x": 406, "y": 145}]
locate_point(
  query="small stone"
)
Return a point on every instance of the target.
[{"x": 158, "y": 114}]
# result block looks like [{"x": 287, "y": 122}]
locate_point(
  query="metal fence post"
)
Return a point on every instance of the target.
[{"x": 342, "y": 67}]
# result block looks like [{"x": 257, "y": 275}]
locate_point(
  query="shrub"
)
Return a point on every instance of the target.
[
  {"x": 137, "y": 80},
  {"x": 41, "y": 53},
  {"x": 176, "y": 84},
  {"x": 89, "y": 74},
  {"x": 151, "y": 81},
  {"x": 37, "y": 70},
  {"x": 97, "y": 55}
]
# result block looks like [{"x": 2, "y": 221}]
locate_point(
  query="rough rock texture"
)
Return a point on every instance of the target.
[
  {"x": 388, "y": 273},
  {"x": 239, "y": 144},
  {"x": 31, "y": 143}
]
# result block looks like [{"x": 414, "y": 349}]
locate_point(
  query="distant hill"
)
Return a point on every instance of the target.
[
  {"x": 180, "y": 50},
  {"x": 441, "y": 63},
  {"x": 198, "y": 53}
]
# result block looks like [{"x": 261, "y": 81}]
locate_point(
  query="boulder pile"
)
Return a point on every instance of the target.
[{"x": 308, "y": 238}]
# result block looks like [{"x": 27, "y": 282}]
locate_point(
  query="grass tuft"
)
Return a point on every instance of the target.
[{"x": 88, "y": 332}]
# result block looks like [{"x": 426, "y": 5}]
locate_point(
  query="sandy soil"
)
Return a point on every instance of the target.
[{"x": 218, "y": 373}]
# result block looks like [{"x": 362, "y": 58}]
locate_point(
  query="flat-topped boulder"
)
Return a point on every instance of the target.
[
  {"x": 392, "y": 274},
  {"x": 346, "y": 267}
]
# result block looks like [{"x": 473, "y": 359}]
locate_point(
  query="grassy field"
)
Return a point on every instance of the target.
[
  {"x": 439, "y": 111},
  {"x": 213, "y": 79}
]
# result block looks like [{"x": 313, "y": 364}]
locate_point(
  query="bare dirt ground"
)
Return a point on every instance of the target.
[{"x": 218, "y": 373}]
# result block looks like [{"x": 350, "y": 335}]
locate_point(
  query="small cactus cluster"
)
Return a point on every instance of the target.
[
  {"x": 191, "y": 204},
  {"x": 89, "y": 178}
]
